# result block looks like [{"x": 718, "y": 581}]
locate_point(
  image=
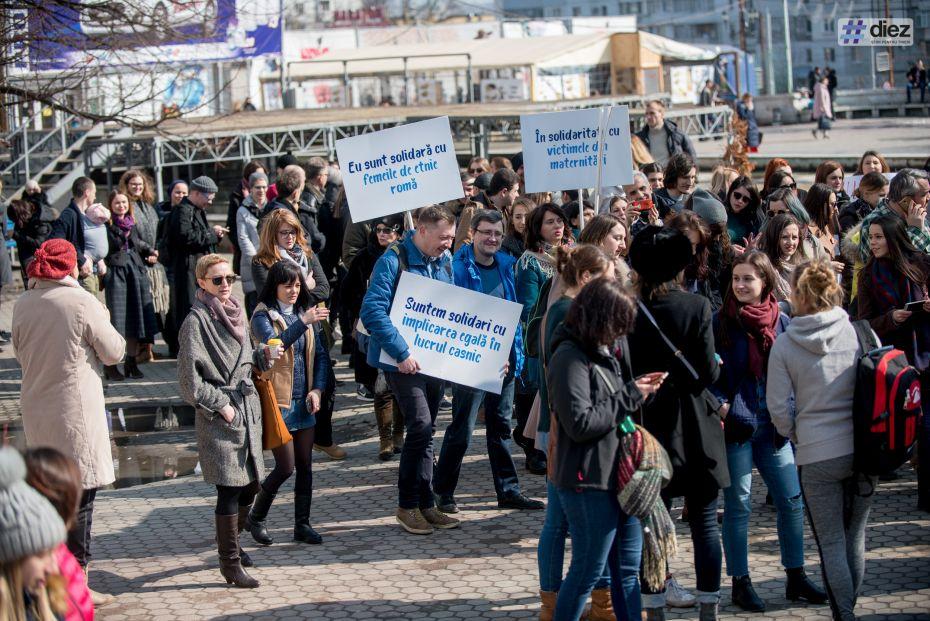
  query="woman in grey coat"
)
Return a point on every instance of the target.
[{"x": 215, "y": 365}]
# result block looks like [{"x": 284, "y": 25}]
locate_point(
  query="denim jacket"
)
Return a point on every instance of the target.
[
  {"x": 376, "y": 307},
  {"x": 466, "y": 275}
]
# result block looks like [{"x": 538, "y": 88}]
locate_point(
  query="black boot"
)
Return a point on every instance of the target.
[
  {"x": 535, "y": 461},
  {"x": 131, "y": 369},
  {"x": 255, "y": 523},
  {"x": 244, "y": 558},
  {"x": 744, "y": 596},
  {"x": 302, "y": 530},
  {"x": 799, "y": 586},
  {"x": 111, "y": 372},
  {"x": 227, "y": 543}
]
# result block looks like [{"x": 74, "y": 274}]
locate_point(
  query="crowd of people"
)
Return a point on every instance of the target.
[{"x": 673, "y": 338}]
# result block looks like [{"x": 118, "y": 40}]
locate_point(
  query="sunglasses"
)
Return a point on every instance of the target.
[
  {"x": 218, "y": 280},
  {"x": 385, "y": 229},
  {"x": 772, "y": 214},
  {"x": 741, "y": 197},
  {"x": 793, "y": 186},
  {"x": 475, "y": 171}
]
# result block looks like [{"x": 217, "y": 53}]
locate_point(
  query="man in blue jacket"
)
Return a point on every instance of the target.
[
  {"x": 424, "y": 252},
  {"x": 481, "y": 266},
  {"x": 70, "y": 226}
]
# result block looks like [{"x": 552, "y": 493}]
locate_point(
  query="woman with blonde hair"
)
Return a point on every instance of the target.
[
  {"x": 31, "y": 587},
  {"x": 215, "y": 366},
  {"x": 641, "y": 154},
  {"x": 720, "y": 180},
  {"x": 810, "y": 386},
  {"x": 281, "y": 238}
]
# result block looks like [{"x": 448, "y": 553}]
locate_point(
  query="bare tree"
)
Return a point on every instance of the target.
[{"x": 101, "y": 60}]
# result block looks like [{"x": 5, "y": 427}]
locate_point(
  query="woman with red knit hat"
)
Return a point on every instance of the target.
[{"x": 62, "y": 336}]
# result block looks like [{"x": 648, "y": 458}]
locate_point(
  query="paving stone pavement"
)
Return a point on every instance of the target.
[{"x": 153, "y": 543}]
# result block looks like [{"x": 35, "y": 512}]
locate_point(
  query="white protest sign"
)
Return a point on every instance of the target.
[
  {"x": 455, "y": 334},
  {"x": 560, "y": 148},
  {"x": 401, "y": 168}
]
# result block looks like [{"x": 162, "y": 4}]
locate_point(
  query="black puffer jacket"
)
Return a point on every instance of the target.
[
  {"x": 33, "y": 232},
  {"x": 590, "y": 393}
]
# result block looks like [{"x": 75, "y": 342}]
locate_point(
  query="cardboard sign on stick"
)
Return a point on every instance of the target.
[
  {"x": 454, "y": 333},
  {"x": 398, "y": 169},
  {"x": 560, "y": 149}
]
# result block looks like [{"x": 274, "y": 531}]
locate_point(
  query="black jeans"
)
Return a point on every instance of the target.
[
  {"x": 705, "y": 537},
  {"x": 418, "y": 396},
  {"x": 324, "y": 416},
  {"x": 79, "y": 536}
]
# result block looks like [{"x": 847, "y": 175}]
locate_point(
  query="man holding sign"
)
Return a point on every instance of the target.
[
  {"x": 482, "y": 267},
  {"x": 424, "y": 252}
]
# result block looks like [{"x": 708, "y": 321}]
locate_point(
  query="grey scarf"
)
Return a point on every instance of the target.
[{"x": 229, "y": 314}]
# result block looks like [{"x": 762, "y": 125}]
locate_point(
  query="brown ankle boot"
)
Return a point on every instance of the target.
[
  {"x": 601, "y": 607},
  {"x": 547, "y": 605},
  {"x": 227, "y": 543},
  {"x": 384, "y": 417}
]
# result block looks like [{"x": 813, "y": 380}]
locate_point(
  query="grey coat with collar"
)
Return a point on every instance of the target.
[{"x": 214, "y": 369}]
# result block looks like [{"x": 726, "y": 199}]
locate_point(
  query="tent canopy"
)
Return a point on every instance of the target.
[{"x": 590, "y": 49}]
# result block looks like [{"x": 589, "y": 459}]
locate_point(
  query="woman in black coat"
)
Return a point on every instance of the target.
[
  {"x": 32, "y": 225},
  {"x": 126, "y": 283},
  {"x": 679, "y": 415}
]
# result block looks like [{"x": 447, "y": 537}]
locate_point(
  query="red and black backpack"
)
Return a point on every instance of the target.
[{"x": 886, "y": 407}]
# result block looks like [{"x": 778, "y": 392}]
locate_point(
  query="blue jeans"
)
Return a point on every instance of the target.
[
  {"x": 550, "y": 554},
  {"x": 498, "y": 410},
  {"x": 418, "y": 396},
  {"x": 781, "y": 477},
  {"x": 602, "y": 535}
]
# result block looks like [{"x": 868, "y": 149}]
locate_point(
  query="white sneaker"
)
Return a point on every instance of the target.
[{"x": 676, "y": 596}]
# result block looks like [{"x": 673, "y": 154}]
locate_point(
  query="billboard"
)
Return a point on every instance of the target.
[{"x": 138, "y": 32}]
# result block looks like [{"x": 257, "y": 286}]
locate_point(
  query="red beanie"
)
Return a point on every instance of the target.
[{"x": 54, "y": 260}]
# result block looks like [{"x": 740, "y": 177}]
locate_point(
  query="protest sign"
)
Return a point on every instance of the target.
[
  {"x": 455, "y": 334},
  {"x": 560, "y": 148},
  {"x": 401, "y": 168}
]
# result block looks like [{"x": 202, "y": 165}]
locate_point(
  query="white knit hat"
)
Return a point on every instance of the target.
[{"x": 29, "y": 523}]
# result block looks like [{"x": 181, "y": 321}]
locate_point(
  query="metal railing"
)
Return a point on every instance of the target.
[{"x": 23, "y": 165}]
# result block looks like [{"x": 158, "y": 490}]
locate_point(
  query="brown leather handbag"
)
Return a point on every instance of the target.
[{"x": 274, "y": 431}]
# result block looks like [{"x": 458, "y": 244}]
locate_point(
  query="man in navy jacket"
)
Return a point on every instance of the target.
[
  {"x": 481, "y": 266},
  {"x": 70, "y": 226},
  {"x": 424, "y": 252}
]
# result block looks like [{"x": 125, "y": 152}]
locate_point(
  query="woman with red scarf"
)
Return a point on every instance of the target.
[{"x": 744, "y": 331}]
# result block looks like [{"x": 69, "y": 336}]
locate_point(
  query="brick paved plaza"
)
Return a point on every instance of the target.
[{"x": 154, "y": 547}]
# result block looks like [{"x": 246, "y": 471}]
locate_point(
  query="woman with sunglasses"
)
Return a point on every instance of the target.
[
  {"x": 215, "y": 366},
  {"x": 384, "y": 232},
  {"x": 744, "y": 212},
  {"x": 301, "y": 381},
  {"x": 478, "y": 166}
]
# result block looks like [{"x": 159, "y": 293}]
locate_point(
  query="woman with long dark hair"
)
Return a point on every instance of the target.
[
  {"x": 546, "y": 230},
  {"x": 592, "y": 392},
  {"x": 515, "y": 240},
  {"x": 32, "y": 225},
  {"x": 897, "y": 274},
  {"x": 301, "y": 381},
  {"x": 781, "y": 242},
  {"x": 679, "y": 414},
  {"x": 708, "y": 272},
  {"x": 821, "y": 204},
  {"x": 744, "y": 331},
  {"x": 744, "y": 212}
]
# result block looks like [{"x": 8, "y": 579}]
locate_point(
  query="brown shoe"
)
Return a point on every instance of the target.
[
  {"x": 438, "y": 519},
  {"x": 334, "y": 451},
  {"x": 601, "y": 607},
  {"x": 547, "y": 605},
  {"x": 413, "y": 521},
  {"x": 145, "y": 353},
  {"x": 98, "y": 599}
]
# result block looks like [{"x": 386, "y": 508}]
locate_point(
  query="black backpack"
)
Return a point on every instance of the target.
[{"x": 886, "y": 406}]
